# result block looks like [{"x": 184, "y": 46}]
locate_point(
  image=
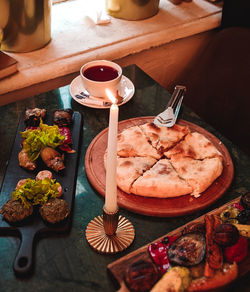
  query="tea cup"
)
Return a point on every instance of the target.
[{"x": 99, "y": 75}]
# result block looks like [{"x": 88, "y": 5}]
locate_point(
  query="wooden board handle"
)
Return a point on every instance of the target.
[{"x": 24, "y": 259}]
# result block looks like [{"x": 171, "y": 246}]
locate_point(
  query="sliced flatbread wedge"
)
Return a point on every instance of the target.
[
  {"x": 194, "y": 145},
  {"x": 163, "y": 138},
  {"x": 132, "y": 142},
  {"x": 130, "y": 168},
  {"x": 200, "y": 174},
  {"x": 161, "y": 181}
]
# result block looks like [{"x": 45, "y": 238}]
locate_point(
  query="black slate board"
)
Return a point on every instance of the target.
[{"x": 35, "y": 227}]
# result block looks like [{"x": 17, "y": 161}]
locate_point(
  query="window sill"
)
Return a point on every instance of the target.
[{"x": 76, "y": 39}]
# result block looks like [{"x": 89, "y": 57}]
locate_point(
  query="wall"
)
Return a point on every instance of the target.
[{"x": 176, "y": 56}]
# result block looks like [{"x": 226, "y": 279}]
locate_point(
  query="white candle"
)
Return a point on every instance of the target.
[{"x": 111, "y": 164}]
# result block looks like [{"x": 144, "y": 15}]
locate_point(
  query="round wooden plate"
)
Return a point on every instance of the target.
[{"x": 169, "y": 207}]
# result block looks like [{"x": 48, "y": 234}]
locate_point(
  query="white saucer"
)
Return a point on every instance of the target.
[{"x": 76, "y": 87}]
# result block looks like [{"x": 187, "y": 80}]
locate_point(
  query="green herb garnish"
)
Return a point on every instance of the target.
[
  {"x": 34, "y": 192},
  {"x": 44, "y": 136}
]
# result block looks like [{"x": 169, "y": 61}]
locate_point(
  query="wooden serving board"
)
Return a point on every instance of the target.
[
  {"x": 34, "y": 226},
  {"x": 117, "y": 269},
  {"x": 169, "y": 207}
]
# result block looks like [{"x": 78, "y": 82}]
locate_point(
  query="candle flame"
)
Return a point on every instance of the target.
[{"x": 111, "y": 96}]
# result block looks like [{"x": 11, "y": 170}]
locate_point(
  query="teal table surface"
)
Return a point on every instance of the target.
[{"x": 66, "y": 262}]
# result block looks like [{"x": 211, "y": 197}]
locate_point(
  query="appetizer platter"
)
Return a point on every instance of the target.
[
  {"x": 207, "y": 253},
  {"x": 163, "y": 171},
  {"x": 38, "y": 190}
]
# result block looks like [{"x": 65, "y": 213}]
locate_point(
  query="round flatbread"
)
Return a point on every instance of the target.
[{"x": 164, "y": 162}]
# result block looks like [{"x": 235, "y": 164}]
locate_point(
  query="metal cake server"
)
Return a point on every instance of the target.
[{"x": 168, "y": 117}]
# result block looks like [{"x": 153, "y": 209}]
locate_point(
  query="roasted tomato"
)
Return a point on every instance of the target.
[{"x": 237, "y": 252}]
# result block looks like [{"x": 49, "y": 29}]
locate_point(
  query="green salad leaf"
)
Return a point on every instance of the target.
[
  {"x": 32, "y": 143},
  {"x": 44, "y": 136},
  {"x": 51, "y": 136},
  {"x": 36, "y": 192}
]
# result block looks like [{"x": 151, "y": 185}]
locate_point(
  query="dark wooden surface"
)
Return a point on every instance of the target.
[
  {"x": 168, "y": 207},
  {"x": 66, "y": 262},
  {"x": 118, "y": 268}
]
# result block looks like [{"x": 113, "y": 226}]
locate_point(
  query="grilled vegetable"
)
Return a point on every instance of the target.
[
  {"x": 244, "y": 230},
  {"x": 175, "y": 279},
  {"x": 237, "y": 252},
  {"x": 187, "y": 250},
  {"x": 194, "y": 227},
  {"x": 245, "y": 200},
  {"x": 226, "y": 234},
  {"x": 159, "y": 253},
  {"x": 229, "y": 215},
  {"x": 227, "y": 274},
  {"x": 197, "y": 271},
  {"x": 141, "y": 276},
  {"x": 214, "y": 257},
  {"x": 244, "y": 216},
  {"x": 64, "y": 131}
]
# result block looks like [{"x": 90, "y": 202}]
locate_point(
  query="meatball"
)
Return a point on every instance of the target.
[
  {"x": 14, "y": 211},
  {"x": 32, "y": 117},
  {"x": 63, "y": 118},
  {"x": 55, "y": 210}
]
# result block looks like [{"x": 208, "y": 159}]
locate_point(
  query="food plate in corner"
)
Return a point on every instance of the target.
[
  {"x": 76, "y": 87},
  {"x": 35, "y": 226},
  {"x": 117, "y": 269},
  {"x": 159, "y": 207}
]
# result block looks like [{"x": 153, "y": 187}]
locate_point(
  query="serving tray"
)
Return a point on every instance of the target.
[
  {"x": 34, "y": 227},
  {"x": 159, "y": 207},
  {"x": 117, "y": 268}
]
